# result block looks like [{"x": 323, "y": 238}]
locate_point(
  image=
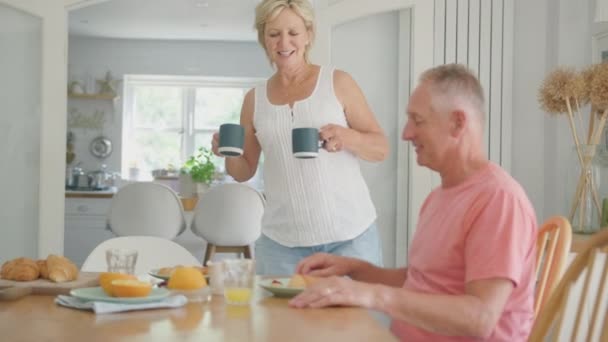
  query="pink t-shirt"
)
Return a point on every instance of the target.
[{"x": 480, "y": 229}]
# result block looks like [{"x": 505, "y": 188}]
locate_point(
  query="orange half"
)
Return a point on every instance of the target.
[
  {"x": 130, "y": 288},
  {"x": 106, "y": 278},
  {"x": 186, "y": 278}
]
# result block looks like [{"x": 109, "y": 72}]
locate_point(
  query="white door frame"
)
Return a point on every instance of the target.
[
  {"x": 53, "y": 109},
  {"x": 410, "y": 193}
]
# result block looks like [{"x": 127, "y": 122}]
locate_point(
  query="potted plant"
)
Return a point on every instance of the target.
[{"x": 200, "y": 168}]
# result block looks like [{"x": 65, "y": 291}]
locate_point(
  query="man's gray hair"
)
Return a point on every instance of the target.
[{"x": 454, "y": 86}]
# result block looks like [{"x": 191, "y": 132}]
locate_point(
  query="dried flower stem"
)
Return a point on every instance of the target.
[
  {"x": 591, "y": 122},
  {"x": 573, "y": 129},
  {"x": 598, "y": 134},
  {"x": 600, "y": 128},
  {"x": 583, "y": 206},
  {"x": 585, "y": 181},
  {"x": 578, "y": 114}
]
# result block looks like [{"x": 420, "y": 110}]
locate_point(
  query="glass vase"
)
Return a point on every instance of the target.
[{"x": 585, "y": 202}]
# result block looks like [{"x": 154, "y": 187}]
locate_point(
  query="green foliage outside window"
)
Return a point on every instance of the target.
[
  {"x": 200, "y": 166},
  {"x": 166, "y": 121}
]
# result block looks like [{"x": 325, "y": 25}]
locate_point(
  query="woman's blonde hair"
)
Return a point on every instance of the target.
[{"x": 267, "y": 10}]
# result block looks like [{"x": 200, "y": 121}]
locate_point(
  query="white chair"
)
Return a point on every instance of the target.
[
  {"x": 146, "y": 209},
  {"x": 152, "y": 252},
  {"x": 229, "y": 217}
]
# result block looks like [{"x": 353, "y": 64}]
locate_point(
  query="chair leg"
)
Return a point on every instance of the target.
[
  {"x": 209, "y": 252},
  {"x": 247, "y": 251}
]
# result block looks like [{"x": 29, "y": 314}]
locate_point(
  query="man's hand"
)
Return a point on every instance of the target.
[{"x": 334, "y": 291}]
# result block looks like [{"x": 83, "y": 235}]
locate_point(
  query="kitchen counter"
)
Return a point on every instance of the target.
[{"x": 90, "y": 194}]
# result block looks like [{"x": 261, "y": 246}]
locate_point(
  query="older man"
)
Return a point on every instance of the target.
[{"x": 471, "y": 263}]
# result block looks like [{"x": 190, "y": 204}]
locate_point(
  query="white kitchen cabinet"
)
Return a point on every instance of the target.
[{"x": 85, "y": 226}]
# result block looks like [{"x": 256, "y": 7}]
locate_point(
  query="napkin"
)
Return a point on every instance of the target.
[{"x": 107, "y": 307}]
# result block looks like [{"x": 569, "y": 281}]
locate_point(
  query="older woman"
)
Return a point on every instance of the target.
[{"x": 313, "y": 205}]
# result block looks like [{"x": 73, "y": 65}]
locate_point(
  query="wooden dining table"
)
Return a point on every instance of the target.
[{"x": 267, "y": 318}]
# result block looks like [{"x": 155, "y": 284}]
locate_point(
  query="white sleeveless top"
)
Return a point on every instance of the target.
[{"x": 309, "y": 201}]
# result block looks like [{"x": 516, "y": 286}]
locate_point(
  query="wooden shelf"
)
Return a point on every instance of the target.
[
  {"x": 75, "y": 194},
  {"x": 92, "y": 96}
]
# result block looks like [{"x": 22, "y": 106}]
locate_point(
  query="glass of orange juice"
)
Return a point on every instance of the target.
[{"x": 239, "y": 279}]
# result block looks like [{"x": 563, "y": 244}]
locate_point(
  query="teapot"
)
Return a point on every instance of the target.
[{"x": 100, "y": 179}]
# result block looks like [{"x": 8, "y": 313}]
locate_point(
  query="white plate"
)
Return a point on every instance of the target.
[
  {"x": 98, "y": 294},
  {"x": 280, "y": 290},
  {"x": 154, "y": 273}
]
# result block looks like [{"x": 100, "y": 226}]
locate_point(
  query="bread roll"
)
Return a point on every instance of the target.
[
  {"x": 61, "y": 269},
  {"x": 20, "y": 269},
  {"x": 301, "y": 281},
  {"x": 44, "y": 271}
]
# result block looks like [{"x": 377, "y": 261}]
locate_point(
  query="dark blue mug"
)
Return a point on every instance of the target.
[
  {"x": 305, "y": 142},
  {"x": 232, "y": 137}
]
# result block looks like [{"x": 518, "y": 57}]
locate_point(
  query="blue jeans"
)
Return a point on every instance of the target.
[{"x": 272, "y": 258}]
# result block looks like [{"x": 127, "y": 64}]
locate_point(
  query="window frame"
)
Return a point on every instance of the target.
[{"x": 189, "y": 84}]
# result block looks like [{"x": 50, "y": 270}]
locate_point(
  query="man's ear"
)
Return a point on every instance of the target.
[{"x": 458, "y": 120}]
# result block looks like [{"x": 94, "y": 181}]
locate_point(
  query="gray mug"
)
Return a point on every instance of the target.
[
  {"x": 305, "y": 142},
  {"x": 232, "y": 137}
]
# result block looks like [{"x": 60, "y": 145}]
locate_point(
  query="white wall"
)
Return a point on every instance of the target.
[
  {"x": 95, "y": 56},
  {"x": 547, "y": 33},
  {"x": 20, "y": 95},
  {"x": 375, "y": 72}
]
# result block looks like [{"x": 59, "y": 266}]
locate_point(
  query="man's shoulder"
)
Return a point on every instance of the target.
[
  {"x": 503, "y": 188},
  {"x": 499, "y": 180}
]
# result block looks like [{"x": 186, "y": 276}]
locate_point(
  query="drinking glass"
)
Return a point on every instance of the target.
[
  {"x": 239, "y": 279},
  {"x": 121, "y": 260}
]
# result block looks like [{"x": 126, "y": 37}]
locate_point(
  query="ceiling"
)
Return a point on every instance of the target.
[{"x": 229, "y": 20}]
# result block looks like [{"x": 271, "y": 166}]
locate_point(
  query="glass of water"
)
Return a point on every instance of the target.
[{"x": 121, "y": 260}]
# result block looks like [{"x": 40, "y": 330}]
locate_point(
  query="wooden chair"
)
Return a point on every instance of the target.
[
  {"x": 552, "y": 248},
  {"x": 550, "y": 321},
  {"x": 229, "y": 218}
]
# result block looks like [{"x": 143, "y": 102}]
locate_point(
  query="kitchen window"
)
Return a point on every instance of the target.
[{"x": 167, "y": 118}]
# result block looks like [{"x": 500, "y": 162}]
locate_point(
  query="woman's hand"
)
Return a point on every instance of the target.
[
  {"x": 215, "y": 143},
  {"x": 335, "y": 137},
  {"x": 336, "y": 291},
  {"x": 325, "y": 265}
]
